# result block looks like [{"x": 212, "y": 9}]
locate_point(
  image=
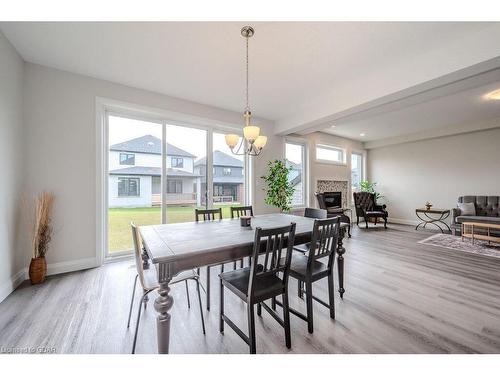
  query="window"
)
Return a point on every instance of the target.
[
  {"x": 226, "y": 171},
  {"x": 177, "y": 162},
  {"x": 330, "y": 154},
  {"x": 127, "y": 159},
  {"x": 295, "y": 157},
  {"x": 174, "y": 186},
  {"x": 128, "y": 187},
  {"x": 356, "y": 171}
]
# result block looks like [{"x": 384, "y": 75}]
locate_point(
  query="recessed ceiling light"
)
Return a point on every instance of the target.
[
  {"x": 361, "y": 134},
  {"x": 494, "y": 95}
]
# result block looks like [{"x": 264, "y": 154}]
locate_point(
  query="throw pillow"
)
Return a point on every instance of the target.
[{"x": 467, "y": 209}]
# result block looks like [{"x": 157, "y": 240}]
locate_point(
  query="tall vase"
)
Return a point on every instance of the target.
[{"x": 38, "y": 270}]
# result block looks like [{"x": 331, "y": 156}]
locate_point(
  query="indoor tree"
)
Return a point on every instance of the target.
[{"x": 279, "y": 190}]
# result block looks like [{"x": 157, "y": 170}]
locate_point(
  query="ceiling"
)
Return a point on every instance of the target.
[
  {"x": 299, "y": 71},
  {"x": 453, "y": 105}
]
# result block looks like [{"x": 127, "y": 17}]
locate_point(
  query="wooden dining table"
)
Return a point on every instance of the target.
[{"x": 174, "y": 248}]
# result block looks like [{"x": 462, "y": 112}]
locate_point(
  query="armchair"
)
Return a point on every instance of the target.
[
  {"x": 367, "y": 208},
  {"x": 334, "y": 211}
]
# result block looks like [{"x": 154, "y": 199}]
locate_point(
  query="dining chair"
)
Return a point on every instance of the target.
[
  {"x": 315, "y": 213},
  {"x": 307, "y": 269},
  {"x": 237, "y": 212},
  {"x": 262, "y": 281},
  {"x": 148, "y": 282},
  {"x": 208, "y": 215}
]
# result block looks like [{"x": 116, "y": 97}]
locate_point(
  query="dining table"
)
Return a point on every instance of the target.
[{"x": 177, "y": 247}]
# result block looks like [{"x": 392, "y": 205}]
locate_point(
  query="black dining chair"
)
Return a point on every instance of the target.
[
  {"x": 263, "y": 280},
  {"x": 237, "y": 212},
  {"x": 148, "y": 282},
  {"x": 307, "y": 269},
  {"x": 208, "y": 215},
  {"x": 315, "y": 213}
]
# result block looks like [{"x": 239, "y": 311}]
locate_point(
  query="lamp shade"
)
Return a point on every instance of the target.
[
  {"x": 232, "y": 140},
  {"x": 260, "y": 142},
  {"x": 251, "y": 132}
]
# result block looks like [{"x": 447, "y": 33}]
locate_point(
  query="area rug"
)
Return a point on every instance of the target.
[{"x": 449, "y": 241}]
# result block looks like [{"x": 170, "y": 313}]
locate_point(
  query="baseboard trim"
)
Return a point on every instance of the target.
[
  {"x": 52, "y": 269},
  {"x": 72, "y": 265},
  {"x": 10, "y": 285}
]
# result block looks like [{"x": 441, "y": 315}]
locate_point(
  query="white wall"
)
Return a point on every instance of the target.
[
  {"x": 59, "y": 119},
  {"x": 436, "y": 170},
  {"x": 11, "y": 166}
]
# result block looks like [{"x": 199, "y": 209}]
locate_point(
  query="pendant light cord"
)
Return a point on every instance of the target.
[{"x": 247, "y": 107}]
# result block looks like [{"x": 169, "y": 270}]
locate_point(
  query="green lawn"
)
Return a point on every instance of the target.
[{"x": 119, "y": 234}]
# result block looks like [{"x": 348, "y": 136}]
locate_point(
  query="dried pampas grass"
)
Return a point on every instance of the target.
[{"x": 43, "y": 228}]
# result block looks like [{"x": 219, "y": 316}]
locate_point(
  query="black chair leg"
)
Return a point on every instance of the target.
[
  {"x": 221, "y": 309},
  {"x": 309, "y": 306},
  {"x": 259, "y": 309},
  {"x": 273, "y": 303},
  {"x": 201, "y": 306},
  {"x": 331, "y": 295},
  {"x": 300, "y": 289},
  {"x": 137, "y": 325},
  {"x": 357, "y": 221},
  {"x": 366, "y": 222},
  {"x": 187, "y": 294},
  {"x": 385, "y": 222},
  {"x": 132, "y": 301},
  {"x": 286, "y": 320},
  {"x": 241, "y": 263},
  {"x": 251, "y": 329},
  {"x": 208, "y": 288}
]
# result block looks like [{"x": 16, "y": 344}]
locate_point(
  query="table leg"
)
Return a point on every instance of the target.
[
  {"x": 163, "y": 304},
  {"x": 340, "y": 262}
]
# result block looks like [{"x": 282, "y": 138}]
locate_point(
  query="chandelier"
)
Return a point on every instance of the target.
[{"x": 252, "y": 142}]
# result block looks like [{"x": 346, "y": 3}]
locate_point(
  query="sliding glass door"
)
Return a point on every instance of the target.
[
  {"x": 134, "y": 178},
  {"x": 159, "y": 173}
]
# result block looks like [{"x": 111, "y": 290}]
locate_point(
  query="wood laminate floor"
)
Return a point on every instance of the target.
[{"x": 401, "y": 297}]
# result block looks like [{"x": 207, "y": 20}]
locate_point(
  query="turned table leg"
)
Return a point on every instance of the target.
[
  {"x": 163, "y": 304},
  {"x": 340, "y": 261}
]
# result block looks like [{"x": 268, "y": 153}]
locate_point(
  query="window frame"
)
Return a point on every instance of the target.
[
  {"x": 176, "y": 182},
  {"x": 305, "y": 168},
  {"x": 128, "y": 195},
  {"x": 343, "y": 153},
  {"x": 226, "y": 171},
  {"x": 176, "y": 158},
  {"x": 126, "y": 154}
]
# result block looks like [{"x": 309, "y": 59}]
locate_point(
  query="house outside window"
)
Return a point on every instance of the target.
[
  {"x": 127, "y": 159},
  {"x": 295, "y": 158},
  {"x": 226, "y": 171},
  {"x": 177, "y": 162},
  {"x": 174, "y": 186},
  {"x": 128, "y": 187}
]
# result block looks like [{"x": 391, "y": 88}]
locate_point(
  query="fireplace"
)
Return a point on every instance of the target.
[
  {"x": 336, "y": 192},
  {"x": 333, "y": 199}
]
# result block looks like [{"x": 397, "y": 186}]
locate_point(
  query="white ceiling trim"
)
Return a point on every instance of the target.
[{"x": 434, "y": 133}]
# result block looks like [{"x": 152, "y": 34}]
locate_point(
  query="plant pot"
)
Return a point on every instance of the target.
[{"x": 38, "y": 270}]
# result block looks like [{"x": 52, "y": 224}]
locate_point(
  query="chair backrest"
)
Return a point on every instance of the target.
[
  {"x": 321, "y": 200},
  {"x": 364, "y": 200},
  {"x": 315, "y": 213},
  {"x": 241, "y": 211},
  {"x": 136, "y": 237},
  {"x": 270, "y": 245},
  {"x": 208, "y": 215},
  {"x": 324, "y": 240}
]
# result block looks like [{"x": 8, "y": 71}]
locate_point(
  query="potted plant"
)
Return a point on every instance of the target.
[
  {"x": 41, "y": 237},
  {"x": 279, "y": 190}
]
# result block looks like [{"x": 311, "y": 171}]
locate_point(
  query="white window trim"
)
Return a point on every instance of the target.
[
  {"x": 104, "y": 108},
  {"x": 305, "y": 157},
  {"x": 331, "y": 147}
]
